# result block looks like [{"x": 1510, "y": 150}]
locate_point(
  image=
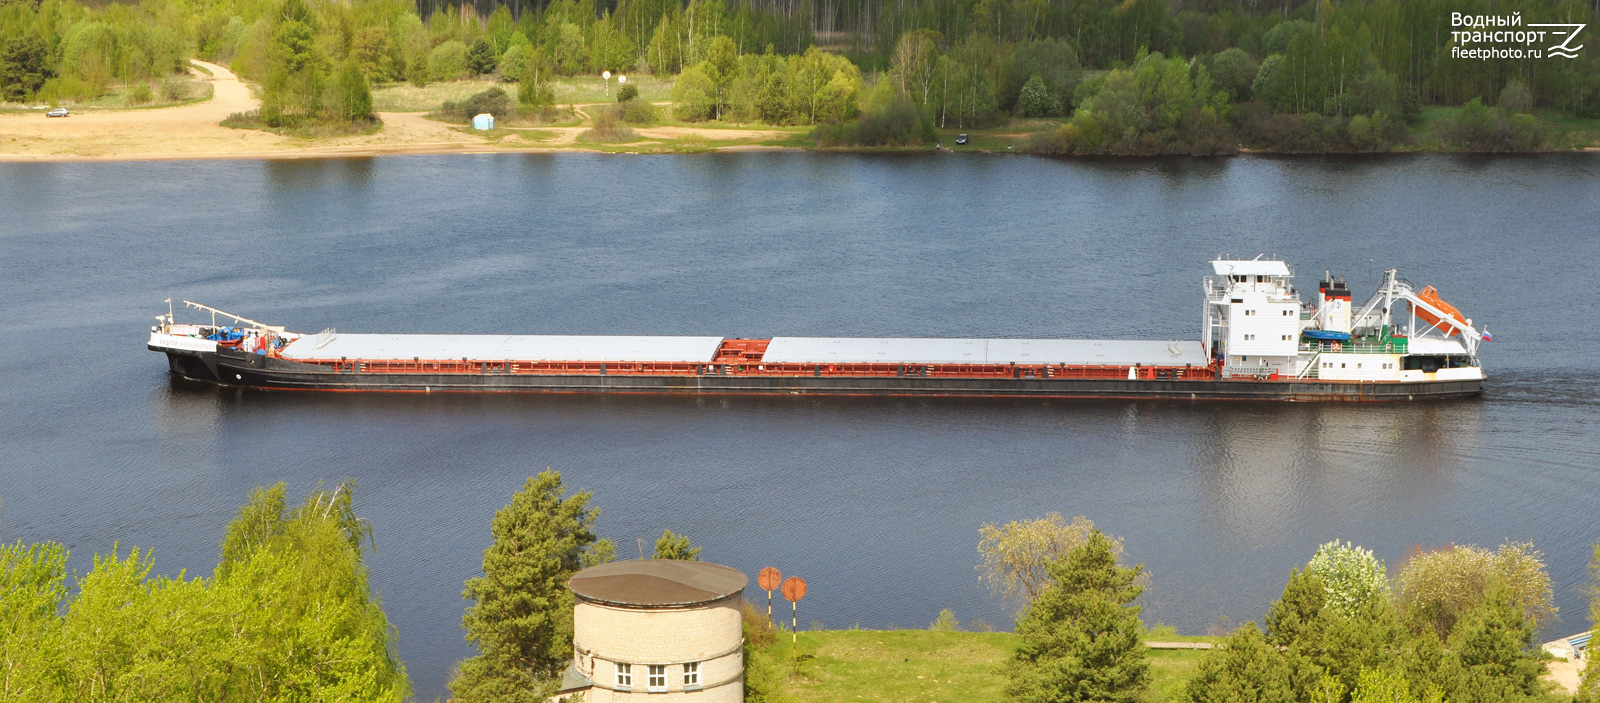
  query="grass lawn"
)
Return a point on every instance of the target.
[
  {"x": 592, "y": 89},
  {"x": 115, "y": 98},
  {"x": 895, "y": 666},
  {"x": 404, "y": 97}
]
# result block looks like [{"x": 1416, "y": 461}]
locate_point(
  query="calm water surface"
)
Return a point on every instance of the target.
[{"x": 876, "y": 502}]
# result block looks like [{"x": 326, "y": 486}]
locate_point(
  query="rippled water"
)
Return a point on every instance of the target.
[{"x": 875, "y": 501}]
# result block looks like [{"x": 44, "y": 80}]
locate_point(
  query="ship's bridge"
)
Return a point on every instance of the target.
[{"x": 1252, "y": 317}]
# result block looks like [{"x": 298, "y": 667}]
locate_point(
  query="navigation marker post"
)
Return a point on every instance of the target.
[
  {"x": 793, "y": 590},
  {"x": 770, "y": 579},
  {"x": 607, "y": 75}
]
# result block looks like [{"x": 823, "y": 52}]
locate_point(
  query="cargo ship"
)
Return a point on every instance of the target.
[{"x": 1259, "y": 341}]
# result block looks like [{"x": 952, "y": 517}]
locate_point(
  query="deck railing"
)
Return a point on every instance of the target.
[
  {"x": 1346, "y": 347},
  {"x": 468, "y": 366}
]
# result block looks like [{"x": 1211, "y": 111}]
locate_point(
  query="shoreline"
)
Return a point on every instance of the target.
[
  {"x": 192, "y": 131},
  {"x": 374, "y": 151}
]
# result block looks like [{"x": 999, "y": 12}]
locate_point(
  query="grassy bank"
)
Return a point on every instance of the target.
[
  {"x": 922, "y": 665},
  {"x": 574, "y": 90},
  {"x": 669, "y": 135},
  {"x": 172, "y": 92}
]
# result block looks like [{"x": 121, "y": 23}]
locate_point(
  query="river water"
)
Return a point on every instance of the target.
[{"x": 876, "y": 502}]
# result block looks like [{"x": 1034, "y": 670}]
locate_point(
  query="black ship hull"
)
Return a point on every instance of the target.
[{"x": 258, "y": 371}]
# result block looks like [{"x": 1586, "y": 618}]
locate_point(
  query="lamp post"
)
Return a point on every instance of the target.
[{"x": 607, "y": 75}]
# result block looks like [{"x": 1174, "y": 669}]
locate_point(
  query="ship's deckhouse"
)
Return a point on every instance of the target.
[{"x": 1252, "y": 318}]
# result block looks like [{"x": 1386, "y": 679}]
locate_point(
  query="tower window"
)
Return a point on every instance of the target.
[
  {"x": 657, "y": 682},
  {"x": 691, "y": 674},
  {"x": 624, "y": 675}
]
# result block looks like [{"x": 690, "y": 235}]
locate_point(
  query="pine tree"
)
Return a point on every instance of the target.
[
  {"x": 672, "y": 546},
  {"x": 1494, "y": 646},
  {"x": 1081, "y": 638},
  {"x": 1248, "y": 670},
  {"x": 521, "y": 617},
  {"x": 1294, "y": 616},
  {"x": 481, "y": 58}
]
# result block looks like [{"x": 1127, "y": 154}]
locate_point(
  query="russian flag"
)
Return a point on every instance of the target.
[{"x": 1487, "y": 337}]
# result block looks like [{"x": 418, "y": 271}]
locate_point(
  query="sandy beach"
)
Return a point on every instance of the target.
[{"x": 193, "y": 132}]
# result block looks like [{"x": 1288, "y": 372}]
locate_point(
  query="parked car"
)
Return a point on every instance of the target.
[
  {"x": 58, "y": 112},
  {"x": 961, "y": 139}
]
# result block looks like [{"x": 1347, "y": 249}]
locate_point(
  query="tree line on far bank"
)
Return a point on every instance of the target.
[
  {"x": 1455, "y": 624},
  {"x": 1134, "y": 77}
]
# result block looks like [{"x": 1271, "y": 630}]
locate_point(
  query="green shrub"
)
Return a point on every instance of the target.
[
  {"x": 174, "y": 90},
  {"x": 639, "y": 112},
  {"x": 1156, "y": 106},
  {"x": 139, "y": 94},
  {"x": 946, "y": 622},
  {"x": 627, "y": 92},
  {"x": 67, "y": 89},
  {"x": 493, "y": 101},
  {"x": 889, "y": 118},
  {"x": 1474, "y": 127},
  {"x": 608, "y": 129}
]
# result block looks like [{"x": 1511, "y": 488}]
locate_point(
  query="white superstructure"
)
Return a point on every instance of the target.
[
  {"x": 1257, "y": 327},
  {"x": 1252, "y": 318}
]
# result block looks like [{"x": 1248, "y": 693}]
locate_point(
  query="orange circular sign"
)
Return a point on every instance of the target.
[
  {"x": 794, "y": 589},
  {"x": 769, "y": 579}
]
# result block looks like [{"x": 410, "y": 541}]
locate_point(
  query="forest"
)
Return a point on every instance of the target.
[{"x": 1128, "y": 76}]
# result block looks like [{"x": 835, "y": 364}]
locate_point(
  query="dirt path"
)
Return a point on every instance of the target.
[
  {"x": 182, "y": 131},
  {"x": 192, "y": 132}
]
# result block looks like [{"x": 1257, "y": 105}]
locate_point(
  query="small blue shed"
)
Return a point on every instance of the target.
[{"x": 483, "y": 122}]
